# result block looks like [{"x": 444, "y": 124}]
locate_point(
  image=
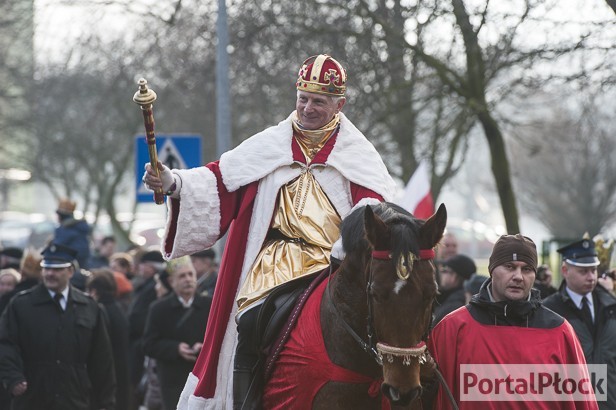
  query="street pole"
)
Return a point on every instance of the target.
[{"x": 223, "y": 106}]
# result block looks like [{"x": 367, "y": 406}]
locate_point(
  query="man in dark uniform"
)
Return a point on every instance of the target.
[
  {"x": 589, "y": 308},
  {"x": 175, "y": 328},
  {"x": 55, "y": 353}
]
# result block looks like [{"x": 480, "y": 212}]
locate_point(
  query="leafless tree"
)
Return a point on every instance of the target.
[
  {"x": 16, "y": 76},
  {"x": 565, "y": 168},
  {"x": 83, "y": 145},
  {"x": 422, "y": 74}
]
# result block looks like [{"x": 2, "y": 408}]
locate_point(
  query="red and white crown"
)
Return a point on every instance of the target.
[{"x": 322, "y": 75}]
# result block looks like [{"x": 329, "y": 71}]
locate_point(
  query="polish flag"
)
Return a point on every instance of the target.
[{"x": 417, "y": 197}]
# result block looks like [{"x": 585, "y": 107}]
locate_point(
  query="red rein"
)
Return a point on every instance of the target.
[{"x": 424, "y": 254}]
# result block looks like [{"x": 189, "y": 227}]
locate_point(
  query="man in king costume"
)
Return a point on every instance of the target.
[{"x": 281, "y": 195}]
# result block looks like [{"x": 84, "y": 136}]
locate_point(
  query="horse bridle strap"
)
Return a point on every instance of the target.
[
  {"x": 424, "y": 254},
  {"x": 405, "y": 352}
]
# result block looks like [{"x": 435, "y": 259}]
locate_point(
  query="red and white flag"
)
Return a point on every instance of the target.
[{"x": 417, "y": 196}]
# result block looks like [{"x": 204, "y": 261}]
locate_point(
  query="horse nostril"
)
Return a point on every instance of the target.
[
  {"x": 395, "y": 397},
  {"x": 390, "y": 392}
]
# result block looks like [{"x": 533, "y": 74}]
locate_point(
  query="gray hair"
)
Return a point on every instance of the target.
[{"x": 333, "y": 98}]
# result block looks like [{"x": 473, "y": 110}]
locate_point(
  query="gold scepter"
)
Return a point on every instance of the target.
[{"x": 145, "y": 97}]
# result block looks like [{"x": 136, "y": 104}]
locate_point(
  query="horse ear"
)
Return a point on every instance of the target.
[
  {"x": 375, "y": 227},
  {"x": 432, "y": 230}
]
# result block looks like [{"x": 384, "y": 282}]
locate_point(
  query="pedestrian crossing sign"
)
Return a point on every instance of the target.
[{"x": 179, "y": 151}]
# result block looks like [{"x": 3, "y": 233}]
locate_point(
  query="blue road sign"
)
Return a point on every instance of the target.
[{"x": 174, "y": 150}]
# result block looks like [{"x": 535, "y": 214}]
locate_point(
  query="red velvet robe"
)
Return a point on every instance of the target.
[{"x": 241, "y": 203}]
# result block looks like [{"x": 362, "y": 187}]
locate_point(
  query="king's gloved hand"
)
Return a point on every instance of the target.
[
  {"x": 153, "y": 182},
  {"x": 166, "y": 176}
]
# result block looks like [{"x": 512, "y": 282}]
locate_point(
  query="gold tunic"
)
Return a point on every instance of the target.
[{"x": 304, "y": 214}]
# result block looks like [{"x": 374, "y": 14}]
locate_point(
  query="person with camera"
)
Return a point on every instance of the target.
[
  {"x": 590, "y": 309},
  {"x": 174, "y": 329}
]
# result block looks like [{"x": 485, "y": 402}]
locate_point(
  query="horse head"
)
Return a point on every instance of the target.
[{"x": 400, "y": 278}]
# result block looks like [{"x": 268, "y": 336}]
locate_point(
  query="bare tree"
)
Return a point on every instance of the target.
[
  {"x": 422, "y": 74},
  {"x": 566, "y": 169},
  {"x": 83, "y": 145},
  {"x": 395, "y": 99},
  {"x": 16, "y": 76}
]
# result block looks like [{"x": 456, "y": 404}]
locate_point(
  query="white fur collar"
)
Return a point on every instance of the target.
[{"x": 353, "y": 156}]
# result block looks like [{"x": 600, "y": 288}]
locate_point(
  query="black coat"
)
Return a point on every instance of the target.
[
  {"x": 143, "y": 297},
  {"x": 65, "y": 356},
  {"x": 117, "y": 325},
  {"x": 169, "y": 324},
  {"x": 600, "y": 347},
  {"x": 449, "y": 302},
  {"x": 205, "y": 287},
  {"x": 20, "y": 287}
]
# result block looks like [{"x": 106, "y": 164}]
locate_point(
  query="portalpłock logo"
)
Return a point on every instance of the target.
[{"x": 533, "y": 382}]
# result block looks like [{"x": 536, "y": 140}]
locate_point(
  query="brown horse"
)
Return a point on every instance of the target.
[{"x": 374, "y": 316}]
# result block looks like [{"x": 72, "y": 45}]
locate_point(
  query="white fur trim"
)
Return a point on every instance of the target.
[
  {"x": 198, "y": 224},
  {"x": 353, "y": 156},
  {"x": 187, "y": 391},
  {"x": 364, "y": 202},
  {"x": 257, "y": 156},
  {"x": 338, "y": 251},
  {"x": 357, "y": 159}
]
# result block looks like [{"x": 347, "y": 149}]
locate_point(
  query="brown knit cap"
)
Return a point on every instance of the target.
[{"x": 513, "y": 248}]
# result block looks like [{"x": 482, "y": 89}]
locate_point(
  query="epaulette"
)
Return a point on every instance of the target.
[{"x": 25, "y": 292}]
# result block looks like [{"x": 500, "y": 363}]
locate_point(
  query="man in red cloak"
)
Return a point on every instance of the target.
[
  {"x": 280, "y": 195},
  {"x": 505, "y": 324}
]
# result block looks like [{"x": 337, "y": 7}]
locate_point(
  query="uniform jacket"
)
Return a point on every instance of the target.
[
  {"x": 169, "y": 324},
  {"x": 599, "y": 348},
  {"x": 238, "y": 194},
  {"x": 65, "y": 356},
  {"x": 486, "y": 332}
]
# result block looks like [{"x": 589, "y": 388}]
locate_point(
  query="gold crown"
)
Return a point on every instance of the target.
[
  {"x": 66, "y": 206},
  {"x": 322, "y": 75}
]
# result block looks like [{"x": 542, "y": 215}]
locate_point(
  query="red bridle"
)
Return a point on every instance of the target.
[{"x": 424, "y": 254}]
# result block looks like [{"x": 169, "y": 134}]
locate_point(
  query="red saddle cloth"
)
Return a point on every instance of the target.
[{"x": 303, "y": 366}]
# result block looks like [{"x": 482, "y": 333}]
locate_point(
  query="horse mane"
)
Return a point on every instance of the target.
[{"x": 403, "y": 226}]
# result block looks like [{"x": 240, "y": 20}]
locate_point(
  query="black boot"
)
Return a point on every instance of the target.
[{"x": 241, "y": 385}]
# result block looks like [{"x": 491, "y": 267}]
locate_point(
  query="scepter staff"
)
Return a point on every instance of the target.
[{"x": 145, "y": 97}]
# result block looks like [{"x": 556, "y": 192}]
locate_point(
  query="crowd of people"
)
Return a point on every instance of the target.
[
  {"x": 88, "y": 327},
  {"x": 121, "y": 330}
]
